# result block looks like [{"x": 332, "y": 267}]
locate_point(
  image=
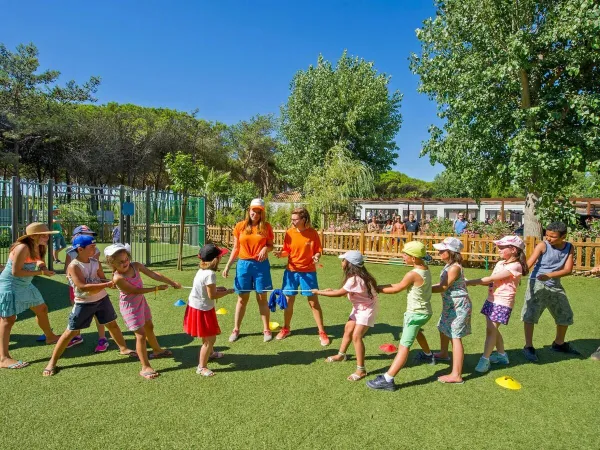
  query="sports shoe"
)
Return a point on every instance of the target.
[
  {"x": 75, "y": 341},
  {"x": 423, "y": 358},
  {"x": 102, "y": 346},
  {"x": 596, "y": 355},
  {"x": 483, "y": 365},
  {"x": 380, "y": 383},
  {"x": 565, "y": 347},
  {"x": 235, "y": 334},
  {"x": 530, "y": 355},
  {"x": 497, "y": 358},
  {"x": 324, "y": 339},
  {"x": 285, "y": 332},
  {"x": 267, "y": 336}
]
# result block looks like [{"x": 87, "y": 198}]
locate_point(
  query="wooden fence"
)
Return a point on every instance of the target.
[{"x": 386, "y": 248}]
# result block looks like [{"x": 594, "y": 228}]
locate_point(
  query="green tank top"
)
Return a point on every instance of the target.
[{"x": 419, "y": 298}]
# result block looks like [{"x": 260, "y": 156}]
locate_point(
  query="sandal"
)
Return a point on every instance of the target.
[
  {"x": 131, "y": 354},
  {"x": 216, "y": 355},
  {"x": 50, "y": 372},
  {"x": 149, "y": 374},
  {"x": 164, "y": 354},
  {"x": 18, "y": 365},
  {"x": 356, "y": 377},
  {"x": 205, "y": 372},
  {"x": 331, "y": 360}
]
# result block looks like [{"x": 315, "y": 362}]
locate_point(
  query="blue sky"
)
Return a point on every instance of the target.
[{"x": 229, "y": 59}]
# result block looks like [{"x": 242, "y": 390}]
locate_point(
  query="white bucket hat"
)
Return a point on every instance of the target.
[{"x": 450, "y": 243}]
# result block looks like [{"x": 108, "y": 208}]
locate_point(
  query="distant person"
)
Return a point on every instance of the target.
[
  {"x": 58, "y": 240},
  {"x": 116, "y": 234},
  {"x": 460, "y": 224},
  {"x": 412, "y": 224},
  {"x": 373, "y": 226}
]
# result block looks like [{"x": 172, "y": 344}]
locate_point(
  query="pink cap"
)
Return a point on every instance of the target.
[{"x": 515, "y": 241}]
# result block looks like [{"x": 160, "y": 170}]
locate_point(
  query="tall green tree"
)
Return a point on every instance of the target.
[
  {"x": 517, "y": 84},
  {"x": 348, "y": 103},
  {"x": 393, "y": 184}
]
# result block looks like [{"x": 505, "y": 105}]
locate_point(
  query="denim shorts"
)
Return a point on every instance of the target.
[
  {"x": 82, "y": 314},
  {"x": 305, "y": 280},
  {"x": 252, "y": 275},
  {"x": 58, "y": 242}
]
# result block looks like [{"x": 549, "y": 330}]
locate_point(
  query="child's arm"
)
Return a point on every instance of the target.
[
  {"x": 490, "y": 279},
  {"x": 538, "y": 251},
  {"x": 330, "y": 292},
  {"x": 408, "y": 280},
  {"x": 155, "y": 275},
  {"x": 79, "y": 280},
  {"x": 234, "y": 253},
  {"x": 215, "y": 292},
  {"x": 566, "y": 270},
  {"x": 127, "y": 288},
  {"x": 451, "y": 276}
]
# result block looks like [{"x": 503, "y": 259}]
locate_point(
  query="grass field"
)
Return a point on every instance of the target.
[{"x": 282, "y": 395}]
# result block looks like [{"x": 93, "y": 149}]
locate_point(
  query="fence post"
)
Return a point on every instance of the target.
[
  {"x": 529, "y": 245},
  {"x": 148, "y": 231},
  {"x": 121, "y": 218},
  {"x": 361, "y": 242},
  {"x": 15, "y": 208},
  {"x": 465, "y": 240},
  {"x": 321, "y": 237},
  {"x": 50, "y": 187}
]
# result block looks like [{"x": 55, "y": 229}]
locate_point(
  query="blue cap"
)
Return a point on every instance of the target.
[
  {"x": 83, "y": 240},
  {"x": 82, "y": 229}
]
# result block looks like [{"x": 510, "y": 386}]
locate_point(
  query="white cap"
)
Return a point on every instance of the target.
[
  {"x": 114, "y": 248},
  {"x": 354, "y": 257},
  {"x": 450, "y": 243},
  {"x": 257, "y": 203}
]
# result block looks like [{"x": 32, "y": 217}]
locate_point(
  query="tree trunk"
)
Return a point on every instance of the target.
[
  {"x": 532, "y": 224},
  {"x": 181, "y": 231}
]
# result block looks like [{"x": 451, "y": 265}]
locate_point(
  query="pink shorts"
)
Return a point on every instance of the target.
[
  {"x": 363, "y": 315},
  {"x": 135, "y": 312}
]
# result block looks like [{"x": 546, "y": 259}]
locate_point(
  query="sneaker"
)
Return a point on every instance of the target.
[
  {"x": 75, "y": 341},
  {"x": 102, "y": 346},
  {"x": 565, "y": 347},
  {"x": 235, "y": 334},
  {"x": 596, "y": 355},
  {"x": 285, "y": 332},
  {"x": 324, "y": 339},
  {"x": 58, "y": 261},
  {"x": 380, "y": 383},
  {"x": 423, "y": 358},
  {"x": 267, "y": 336},
  {"x": 483, "y": 365},
  {"x": 530, "y": 355},
  {"x": 497, "y": 358}
]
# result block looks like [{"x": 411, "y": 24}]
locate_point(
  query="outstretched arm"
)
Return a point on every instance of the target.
[
  {"x": 451, "y": 276},
  {"x": 156, "y": 276},
  {"x": 408, "y": 280},
  {"x": 330, "y": 292}
]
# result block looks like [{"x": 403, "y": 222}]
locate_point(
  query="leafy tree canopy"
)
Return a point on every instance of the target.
[{"x": 393, "y": 184}]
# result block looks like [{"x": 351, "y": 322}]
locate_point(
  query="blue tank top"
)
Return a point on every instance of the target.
[{"x": 554, "y": 259}]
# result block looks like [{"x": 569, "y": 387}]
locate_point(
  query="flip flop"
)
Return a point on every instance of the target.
[
  {"x": 131, "y": 354},
  {"x": 356, "y": 377},
  {"x": 216, "y": 355},
  {"x": 149, "y": 374},
  {"x": 18, "y": 365},
  {"x": 164, "y": 354},
  {"x": 50, "y": 372}
]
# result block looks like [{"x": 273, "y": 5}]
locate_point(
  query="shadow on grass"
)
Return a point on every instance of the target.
[{"x": 337, "y": 331}]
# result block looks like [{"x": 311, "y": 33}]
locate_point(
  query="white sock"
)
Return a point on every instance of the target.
[
  {"x": 483, "y": 357},
  {"x": 387, "y": 377},
  {"x": 502, "y": 354},
  {"x": 428, "y": 354}
]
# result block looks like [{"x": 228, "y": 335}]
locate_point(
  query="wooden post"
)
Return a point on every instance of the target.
[
  {"x": 361, "y": 242},
  {"x": 589, "y": 208},
  {"x": 465, "y": 241},
  {"x": 529, "y": 245},
  {"x": 322, "y": 238},
  {"x": 422, "y": 213},
  {"x": 502, "y": 211}
]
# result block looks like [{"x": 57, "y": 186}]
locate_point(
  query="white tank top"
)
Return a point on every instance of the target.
[{"x": 90, "y": 273}]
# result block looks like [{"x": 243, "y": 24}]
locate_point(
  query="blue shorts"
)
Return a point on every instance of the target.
[
  {"x": 306, "y": 281},
  {"x": 58, "y": 242},
  {"x": 82, "y": 314},
  {"x": 251, "y": 275}
]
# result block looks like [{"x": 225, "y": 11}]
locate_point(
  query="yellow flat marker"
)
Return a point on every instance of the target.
[
  {"x": 273, "y": 326},
  {"x": 508, "y": 383},
  {"x": 221, "y": 311}
]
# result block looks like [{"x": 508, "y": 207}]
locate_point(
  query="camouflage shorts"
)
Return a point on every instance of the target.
[{"x": 538, "y": 297}]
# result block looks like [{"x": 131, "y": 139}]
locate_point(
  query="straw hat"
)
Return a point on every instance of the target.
[{"x": 36, "y": 228}]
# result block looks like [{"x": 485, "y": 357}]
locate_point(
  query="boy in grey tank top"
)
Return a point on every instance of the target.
[{"x": 551, "y": 259}]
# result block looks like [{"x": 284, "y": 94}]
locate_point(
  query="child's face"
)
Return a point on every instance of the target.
[
  {"x": 554, "y": 238},
  {"x": 408, "y": 259},
  {"x": 506, "y": 251},
  {"x": 444, "y": 255},
  {"x": 344, "y": 263},
  {"x": 121, "y": 262},
  {"x": 88, "y": 251}
]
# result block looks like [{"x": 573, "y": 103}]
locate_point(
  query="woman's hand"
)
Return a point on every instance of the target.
[
  {"x": 315, "y": 291},
  {"x": 225, "y": 272},
  {"x": 262, "y": 255},
  {"x": 278, "y": 253},
  {"x": 48, "y": 273}
]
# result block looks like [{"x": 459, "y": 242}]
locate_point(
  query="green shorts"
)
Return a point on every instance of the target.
[
  {"x": 538, "y": 297},
  {"x": 412, "y": 325}
]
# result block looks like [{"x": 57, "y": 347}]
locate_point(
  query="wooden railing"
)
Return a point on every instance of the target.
[{"x": 377, "y": 247}]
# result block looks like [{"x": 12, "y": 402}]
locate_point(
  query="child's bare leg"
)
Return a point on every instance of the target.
[
  {"x": 528, "y": 329},
  {"x": 118, "y": 337},
  {"x": 142, "y": 352},
  {"x": 151, "y": 337},
  {"x": 499, "y": 339},
  {"x": 458, "y": 357},
  {"x": 289, "y": 311},
  {"x": 101, "y": 329},
  {"x": 206, "y": 350},
  {"x": 41, "y": 317},
  {"x": 240, "y": 310},
  {"x": 317, "y": 312},
  {"x": 561, "y": 333},
  {"x": 359, "y": 348},
  {"x": 444, "y": 341},
  {"x": 490, "y": 338},
  {"x": 263, "y": 308},
  {"x": 348, "y": 331},
  {"x": 399, "y": 361},
  {"x": 59, "y": 349},
  {"x": 422, "y": 340},
  {"x": 6, "y": 324}
]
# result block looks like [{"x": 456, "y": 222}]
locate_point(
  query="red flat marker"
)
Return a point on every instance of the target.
[{"x": 388, "y": 348}]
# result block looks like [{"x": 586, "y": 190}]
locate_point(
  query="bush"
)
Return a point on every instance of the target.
[{"x": 440, "y": 225}]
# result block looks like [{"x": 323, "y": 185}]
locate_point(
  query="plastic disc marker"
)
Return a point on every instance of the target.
[
  {"x": 273, "y": 326},
  {"x": 179, "y": 302},
  {"x": 508, "y": 383},
  {"x": 388, "y": 348},
  {"x": 221, "y": 311}
]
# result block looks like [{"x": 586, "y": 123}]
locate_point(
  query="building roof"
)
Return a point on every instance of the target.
[{"x": 287, "y": 197}]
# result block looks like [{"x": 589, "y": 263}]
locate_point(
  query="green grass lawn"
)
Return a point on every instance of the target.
[{"x": 283, "y": 395}]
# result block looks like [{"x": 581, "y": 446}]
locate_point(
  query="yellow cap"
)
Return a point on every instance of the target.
[{"x": 414, "y": 248}]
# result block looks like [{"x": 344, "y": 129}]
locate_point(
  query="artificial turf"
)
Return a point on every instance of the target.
[{"x": 282, "y": 394}]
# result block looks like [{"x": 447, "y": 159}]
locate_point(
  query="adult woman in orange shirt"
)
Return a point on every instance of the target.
[
  {"x": 302, "y": 247},
  {"x": 253, "y": 240}
]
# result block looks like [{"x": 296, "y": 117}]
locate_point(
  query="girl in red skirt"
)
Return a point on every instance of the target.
[{"x": 200, "y": 316}]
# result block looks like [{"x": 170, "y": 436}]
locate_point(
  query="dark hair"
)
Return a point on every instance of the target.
[
  {"x": 522, "y": 259},
  {"x": 361, "y": 272},
  {"x": 455, "y": 257},
  {"x": 34, "y": 253},
  {"x": 557, "y": 227}
]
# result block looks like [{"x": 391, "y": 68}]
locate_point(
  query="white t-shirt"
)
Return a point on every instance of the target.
[
  {"x": 198, "y": 298},
  {"x": 90, "y": 274}
]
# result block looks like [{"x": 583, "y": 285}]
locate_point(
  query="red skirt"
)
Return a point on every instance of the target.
[{"x": 200, "y": 323}]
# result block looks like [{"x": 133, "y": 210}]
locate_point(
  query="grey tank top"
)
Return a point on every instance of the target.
[{"x": 554, "y": 259}]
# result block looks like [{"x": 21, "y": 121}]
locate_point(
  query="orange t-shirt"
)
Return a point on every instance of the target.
[
  {"x": 252, "y": 244},
  {"x": 301, "y": 246}
]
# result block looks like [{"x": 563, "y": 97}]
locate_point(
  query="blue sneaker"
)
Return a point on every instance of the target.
[
  {"x": 426, "y": 359},
  {"x": 380, "y": 383},
  {"x": 483, "y": 365},
  {"x": 497, "y": 358}
]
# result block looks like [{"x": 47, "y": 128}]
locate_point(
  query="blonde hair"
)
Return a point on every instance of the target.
[
  {"x": 111, "y": 259},
  {"x": 210, "y": 265},
  {"x": 304, "y": 214},
  {"x": 261, "y": 228}
]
